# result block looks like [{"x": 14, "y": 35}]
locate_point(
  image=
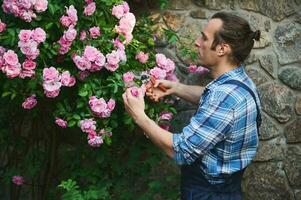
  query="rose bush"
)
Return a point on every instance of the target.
[
  {"x": 72, "y": 60},
  {"x": 97, "y": 66}
]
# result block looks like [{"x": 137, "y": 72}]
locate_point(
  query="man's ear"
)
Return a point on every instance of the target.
[{"x": 223, "y": 49}]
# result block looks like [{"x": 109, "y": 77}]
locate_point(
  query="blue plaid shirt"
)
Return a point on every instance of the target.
[{"x": 222, "y": 134}]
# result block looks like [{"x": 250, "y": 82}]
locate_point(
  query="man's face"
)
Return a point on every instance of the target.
[{"x": 207, "y": 56}]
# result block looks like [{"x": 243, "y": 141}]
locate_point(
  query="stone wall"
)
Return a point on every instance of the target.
[{"x": 275, "y": 67}]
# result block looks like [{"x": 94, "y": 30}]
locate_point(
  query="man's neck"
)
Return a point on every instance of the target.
[{"x": 220, "y": 69}]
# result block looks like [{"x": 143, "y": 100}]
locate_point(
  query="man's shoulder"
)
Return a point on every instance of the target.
[{"x": 228, "y": 94}]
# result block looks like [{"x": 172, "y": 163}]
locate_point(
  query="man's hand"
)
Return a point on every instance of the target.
[
  {"x": 155, "y": 93},
  {"x": 134, "y": 105}
]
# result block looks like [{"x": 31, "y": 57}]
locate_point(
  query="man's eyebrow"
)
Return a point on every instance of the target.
[{"x": 203, "y": 34}]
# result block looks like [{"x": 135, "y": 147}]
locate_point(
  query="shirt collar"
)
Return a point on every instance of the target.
[{"x": 224, "y": 77}]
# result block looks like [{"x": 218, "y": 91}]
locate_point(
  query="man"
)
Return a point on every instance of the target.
[{"x": 222, "y": 136}]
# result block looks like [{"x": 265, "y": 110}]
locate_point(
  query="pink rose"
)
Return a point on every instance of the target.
[
  {"x": 51, "y": 81},
  {"x": 83, "y": 75},
  {"x": 82, "y": 63},
  {"x": 67, "y": 80},
  {"x": 41, "y": 5},
  {"x": 70, "y": 34},
  {"x": 192, "y": 68},
  {"x": 135, "y": 91},
  {"x": 122, "y": 55},
  {"x": 126, "y": 24},
  {"x": 166, "y": 116},
  {"x": 60, "y": 122},
  {"x": 72, "y": 14},
  {"x": 91, "y": 53},
  {"x": 18, "y": 180},
  {"x": 65, "y": 21},
  {"x": 142, "y": 57},
  {"x": 100, "y": 108},
  {"x": 52, "y": 94},
  {"x": 24, "y": 4},
  {"x": 11, "y": 57},
  {"x": 12, "y": 71},
  {"x": 95, "y": 68},
  {"x": 2, "y": 26},
  {"x": 97, "y": 105},
  {"x": 52, "y": 86},
  {"x": 83, "y": 35},
  {"x": 50, "y": 74},
  {"x": 27, "y": 15},
  {"x": 117, "y": 43},
  {"x": 202, "y": 70},
  {"x": 30, "y": 102},
  {"x": 161, "y": 60},
  {"x": 94, "y": 32},
  {"x": 100, "y": 60},
  {"x": 33, "y": 55},
  {"x": 90, "y": 9},
  {"x": 27, "y": 73},
  {"x": 29, "y": 65},
  {"x": 2, "y": 50},
  {"x": 171, "y": 77},
  {"x": 113, "y": 58},
  {"x": 126, "y": 7},
  {"x": 87, "y": 125},
  {"x": 29, "y": 48},
  {"x": 128, "y": 37},
  {"x": 88, "y": 1},
  {"x": 2, "y": 62},
  {"x": 158, "y": 73},
  {"x": 127, "y": 77},
  {"x": 118, "y": 11},
  {"x": 64, "y": 42},
  {"x": 39, "y": 35},
  {"x": 94, "y": 140},
  {"x": 111, "y": 104},
  {"x": 111, "y": 68},
  {"x": 63, "y": 50},
  {"x": 170, "y": 66}
]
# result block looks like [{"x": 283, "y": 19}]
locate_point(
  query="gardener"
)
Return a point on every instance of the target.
[{"x": 222, "y": 136}]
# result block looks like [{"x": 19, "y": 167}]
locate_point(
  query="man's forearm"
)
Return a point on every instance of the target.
[
  {"x": 191, "y": 93},
  {"x": 159, "y": 136}
]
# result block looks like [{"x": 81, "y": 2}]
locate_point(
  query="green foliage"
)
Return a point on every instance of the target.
[
  {"x": 74, "y": 193},
  {"x": 57, "y": 163}
]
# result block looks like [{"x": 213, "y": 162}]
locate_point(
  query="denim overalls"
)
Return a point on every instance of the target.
[{"x": 194, "y": 185}]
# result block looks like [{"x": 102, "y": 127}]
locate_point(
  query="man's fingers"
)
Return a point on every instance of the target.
[
  {"x": 128, "y": 93},
  {"x": 149, "y": 94},
  {"x": 157, "y": 82}
]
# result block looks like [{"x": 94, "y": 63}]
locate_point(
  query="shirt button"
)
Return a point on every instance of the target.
[{"x": 186, "y": 155}]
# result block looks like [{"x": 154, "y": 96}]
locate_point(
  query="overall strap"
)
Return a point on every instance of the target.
[{"x": 241, "y": 84}]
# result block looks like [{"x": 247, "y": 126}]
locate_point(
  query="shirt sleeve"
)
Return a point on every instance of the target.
[{"x": 211, "y": 123}]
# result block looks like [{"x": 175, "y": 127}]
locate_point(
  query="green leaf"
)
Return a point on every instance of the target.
[
  {"x": 13, "y": 95},
  {"x": 80, "y": 104},
  {"x": 4, "y": 94},
  {"x": 48, "y": 26},
  {"x": 108, "y": 140},
  {"x": 68, "y": 185},
  {"x": 51, "y": 9},
  {"x": 76, "y": 116},
  {"x": 115, "y": 88},
  {"x": 71, "y": 123},
  {"x": 83, "y": 93},
  {"x": 151, "y": 41}
]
